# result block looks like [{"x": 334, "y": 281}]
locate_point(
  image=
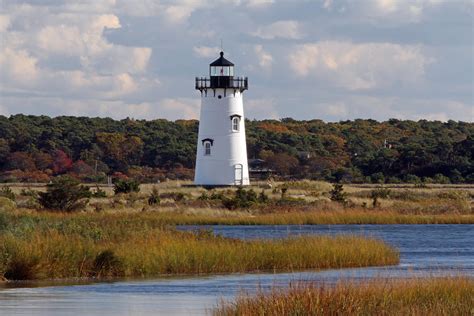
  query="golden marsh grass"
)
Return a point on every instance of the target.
[
  {"x": 432, "y": 296},
  {"x": 51, "y": 245}
]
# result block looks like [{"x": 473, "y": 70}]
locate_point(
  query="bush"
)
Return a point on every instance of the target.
[
  {"x": 126, "y": 186},
  {"x": 6, "y": 204},
  {"x": 411, "y": 178},
  {"x": 377, "y": 177},
  {"x": 175, "y": 196},
  {"x": 8, "y": 193},
  {"x": 154, "y": 197},
  {"x": 29, "y": 192},
  {"x": 99, "y": 193},
  {"x": 262, "y": 197},
  {"x": 382, "y": 193},
  {"x": 441, "y": 179},
  {"x": 64, "y": 194},
  {"x": 22, "y": 268},
  {"x": 242, "y": 199},
  {"x": 107, "y": 264},
  {"x": 337, "y": 193}
]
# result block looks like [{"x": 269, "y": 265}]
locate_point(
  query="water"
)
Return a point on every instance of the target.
[{"x": 424, "y": 250}]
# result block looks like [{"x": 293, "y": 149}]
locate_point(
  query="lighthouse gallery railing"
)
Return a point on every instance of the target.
[{"x": 237, "y": 83}]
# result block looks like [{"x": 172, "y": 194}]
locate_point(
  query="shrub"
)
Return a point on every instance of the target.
[
  {"x": 64, "y": 194},
  {"x": 126, "y": 186},
  {"x": 8, "y": 193},
  {"x": 107, "y": 264},
  {"x": 377, "y": 177},
  {"x": 154, "y": 197},
  {"x": 411, "y": 178},
  {"x": 337, "y": 193},
  {"x": 6, "y": 204},
  {"x": 382, "y": 193},
  {"x": 175, "y": 196},
  {"x": 99, "y": 193},
  {"x": 242, "y": 199},
  {"x": 441, "y": 179},
  {"x": 22, "y": 268},
  {"x": 29, "y": 192},
  {"x": 262, "y": 197}
]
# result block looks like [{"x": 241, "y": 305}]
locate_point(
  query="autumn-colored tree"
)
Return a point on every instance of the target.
[
  {"x": 81, "y": 169},
  {"x": 43, "y": 160},
  {"x": 20, "y": 161},
  {"x": 282, "y": 163},
  {"x": 61, "y": 163},
  {"x": 119, "y": 150}
]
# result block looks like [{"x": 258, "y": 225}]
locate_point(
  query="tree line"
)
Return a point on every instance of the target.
[{"x": 38, "y": 148}]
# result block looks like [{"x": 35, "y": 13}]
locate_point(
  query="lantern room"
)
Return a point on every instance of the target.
[
  {"x": 221, "y": 75},
  {"x": 221, "y": 67}
]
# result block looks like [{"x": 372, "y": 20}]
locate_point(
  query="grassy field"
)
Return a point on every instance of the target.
[
  {"x": 51, "y": 245},
  {"x": 304, "y": 202},
  {"x": 445, "y": 296},
  {"x": 122, "y": 235}
]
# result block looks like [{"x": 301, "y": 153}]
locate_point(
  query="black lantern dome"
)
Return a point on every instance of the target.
[
  {"x": 221, "y": 61},
  {"x": 221, "y": 73}
]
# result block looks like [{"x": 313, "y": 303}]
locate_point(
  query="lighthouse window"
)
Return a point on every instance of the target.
[
  {"x": 235, "y": 124},
  {"x": 222, "y": 71},
  {"x": 207, "y": 148}
]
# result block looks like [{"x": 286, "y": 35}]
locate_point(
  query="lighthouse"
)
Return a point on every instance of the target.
[{"x": 221, "y": 156}]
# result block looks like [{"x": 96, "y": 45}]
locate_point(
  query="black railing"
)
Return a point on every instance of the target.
[{"x": 222, "y": 82}]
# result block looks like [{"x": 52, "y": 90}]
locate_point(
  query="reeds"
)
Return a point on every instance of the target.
[
  {"x": 49, "y": 246},
  {"x": 432, "y": 296},
  {"x": 314, "y": 218}
]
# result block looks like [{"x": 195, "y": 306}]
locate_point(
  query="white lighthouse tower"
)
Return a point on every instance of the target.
[{"x": 221, "y": 157}]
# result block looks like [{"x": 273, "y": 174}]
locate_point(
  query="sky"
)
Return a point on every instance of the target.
[{"x": 330, "y": 60}]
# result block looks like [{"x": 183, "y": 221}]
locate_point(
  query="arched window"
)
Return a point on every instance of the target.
[
  {"x": 207, "y": 144},
  {"x": 207, "y": 148},
  {"x": 236, "y": 124},
  {"x": 235, "y": 120}
]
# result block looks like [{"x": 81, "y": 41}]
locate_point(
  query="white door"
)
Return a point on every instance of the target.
[{"x": 238, "y": 174}]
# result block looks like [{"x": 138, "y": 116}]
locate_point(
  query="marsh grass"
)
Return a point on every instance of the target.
[
  {"x": 306, "y": 217},
  {"x": 43, "y": 245},
  {"x": 432, "y": 296}
]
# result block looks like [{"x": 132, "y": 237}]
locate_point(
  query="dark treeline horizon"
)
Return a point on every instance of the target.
[{"x": 36, "y": 148}]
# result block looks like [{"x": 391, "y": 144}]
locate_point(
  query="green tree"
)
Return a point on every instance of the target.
[{"x": 64, "y": 194}]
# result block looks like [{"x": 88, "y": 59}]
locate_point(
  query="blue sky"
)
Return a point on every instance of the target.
[{"x": 330, "y": 60}]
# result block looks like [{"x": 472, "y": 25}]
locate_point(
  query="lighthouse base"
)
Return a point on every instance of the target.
[{"x": 221, "y": 173}]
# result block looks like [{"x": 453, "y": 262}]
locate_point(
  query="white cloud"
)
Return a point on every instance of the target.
[
  {"x": 337, "y": 109},
  {"x": 359, "y": 66},
  {"x": 261, "y": 108},
  {"x": 102, "y": 70},
  {"x": 382, "y": 108},
  {"x": 17, "y": 67},
  {"x": 265, "y": 60},
  {"x": 4, "y": 22},
  {"x": 327, "y": 4},
  {"x": 206, "y": 51},
  {"x": 179, "y": 108},
  {"x": 4, "y": 110},
  {"x": 401, "y": 11},
  {"x": 282, "y": 29},
  {"x": 259, "y": 3}
]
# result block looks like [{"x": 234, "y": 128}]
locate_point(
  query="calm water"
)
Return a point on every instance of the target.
[{"x": 425, "y": 249}]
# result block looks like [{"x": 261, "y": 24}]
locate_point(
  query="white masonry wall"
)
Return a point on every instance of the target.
[{"x": 229, "y": 148}]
